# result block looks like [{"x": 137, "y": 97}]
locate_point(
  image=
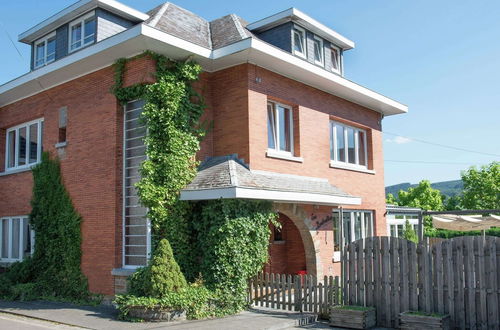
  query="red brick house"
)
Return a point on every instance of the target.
[{"x": 287, "y": 127}]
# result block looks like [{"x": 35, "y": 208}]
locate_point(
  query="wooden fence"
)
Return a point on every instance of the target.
[
  {"x": 295, "y": 292},
  {"x": 459, "y": 276}
]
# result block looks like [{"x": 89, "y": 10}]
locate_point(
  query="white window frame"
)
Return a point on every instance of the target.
[
  {"x": 333, "y": 144},
  {"x": 339, "y": 59},
  {"x": 21, "y": 218},
  {"x": 81, "y": 20},
  {"x": 340, "y": 235},
  {"x": 321, "y": 49},
  {"x": 124, "y": 204},
  {"x": 392, "y": 221},
  {"x": 28, "y": 138},
  {"x": 44, "y": 41},
  {"x": 276, "y": 151},
  {"x": 304, "y": 42}
]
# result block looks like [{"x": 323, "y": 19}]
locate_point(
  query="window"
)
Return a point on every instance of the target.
[
  {"x": 16, "y": 239},
  {"x": 355, "y": 225},
  {"x": 82, "y": 32},
  {"x": 299, "y": 41},
  {"x": 348, "y": 145},
  {"x": 24, "y": 145},
  {"x": 335, "y": 59},
  {"x": 45, "y": 50},
  {"x": 396, "y": 223},
  {"x": 63, "y": 115},
  {"x": 318, "y": 51},
  {"x": 279, "y": 128}
]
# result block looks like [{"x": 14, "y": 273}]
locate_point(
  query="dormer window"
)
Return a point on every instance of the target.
[
  {"x": 335, "y": 58},
  {"x": 318, "y": 51},
  {"x": 299, "y": 41},
  {"x": 82, "y": 32},
  {"x": 45, "y": 50}
]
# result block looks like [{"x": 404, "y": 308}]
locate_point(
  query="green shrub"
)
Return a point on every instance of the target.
[
  {"x": 445, "y": 233},
  {"x": 161, "y": 277},
  {"x": 409, "y": 233}
]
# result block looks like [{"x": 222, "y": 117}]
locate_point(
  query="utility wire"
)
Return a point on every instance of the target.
[{"x": 444, "y": 145}]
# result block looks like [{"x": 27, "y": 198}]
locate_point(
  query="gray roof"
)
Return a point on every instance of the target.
[
  {"x": 229, "y": 171},
  {"x": 186, "y": 25},
  {"x": 391, "y": 208}
]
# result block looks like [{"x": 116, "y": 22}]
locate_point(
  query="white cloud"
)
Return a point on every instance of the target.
[{"x": 400, "y": 140}]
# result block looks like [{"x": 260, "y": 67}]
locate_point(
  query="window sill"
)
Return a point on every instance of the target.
[
  {"x": 123, "y": 271},
  {"x": 351, "y": 168},
  {"x": 15, "y": 171},
  {"x": 286, "y": 156},
  {"x": 61, "y": 144}
]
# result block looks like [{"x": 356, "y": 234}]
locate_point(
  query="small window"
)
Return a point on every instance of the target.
[
  {"x": 279, "y": 128},
  {"x": 45, "y": 50},
  {"x": 63, "y": 114},
  {"x": 82, "y": 32},
  {"x": 278, "y": 234},
  {"x": 335, "y": 59},
  {"x": 16, "y": 239},
  {"x": 348, "y": 145},
  {"x": 318, "y": 51},
  {"x": 396, "y": 223},
  {"x": 355, "y": 225},
  {"x": 299, "y": 41},
  {"x": 24, "y": 145}
]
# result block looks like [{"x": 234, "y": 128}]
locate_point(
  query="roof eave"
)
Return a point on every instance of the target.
[
  {"x": 295, "y": 15},
  {"x": 75, "y": 10}
]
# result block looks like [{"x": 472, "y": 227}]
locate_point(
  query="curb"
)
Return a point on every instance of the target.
[{"x": 2, "y": 311}]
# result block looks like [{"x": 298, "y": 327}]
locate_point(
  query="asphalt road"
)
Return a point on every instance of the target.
[{"x": 15, "y": 322}]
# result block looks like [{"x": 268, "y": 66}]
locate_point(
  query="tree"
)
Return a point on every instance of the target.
[
  {"x": 409, "y": 233},
  {"x": 391, "y": 199},
  {"x": 422, "y": 196},
  {"x": 482, "y": 187}
]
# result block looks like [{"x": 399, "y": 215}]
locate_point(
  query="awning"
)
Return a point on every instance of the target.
[
  {"x": 229, "y": 177},
  {"x": 465, "y": 222}
]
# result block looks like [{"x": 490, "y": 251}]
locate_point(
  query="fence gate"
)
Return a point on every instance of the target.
[
  {"x": 459, "y": 276},
  {"x": 294, "y": 292}
]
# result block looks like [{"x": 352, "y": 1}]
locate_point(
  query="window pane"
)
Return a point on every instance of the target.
[
  {"x": 347, "y": 227},
  {"x": 318, "y": 51},
  {"x": 271, "y": 126},
  {"x": 350, "y": 146},
  {"x": 41, "y": 136},
  {"x": 368, "y": 224},
  {"x": 76, "y": 36},
  {"x": 393, "y": 231},
  {"x": 336, "y": 231},
  {"x": 51, "y": 49},
  {"x": 298, "y": 41},
  {"x": 284, "y": 129},
  {"x": 33, "y": 152},
  {"x": 22, "y": 147},
  {"x": 340, "y": 143},
  {"x": 335, "y": 59},
  {"x": 16, "y": 229},
  {"x": 400, "y": 230},
  {"x": 11, "y": 149},
  {"x": 26, "y": 238},
  {"x": 5, "y": 238},
  {"x": 357, "y": 225},
  {"x": 89, "y": 31},
  {"x": 361, "y": 148},
  {"x": 40, "y": 54}
]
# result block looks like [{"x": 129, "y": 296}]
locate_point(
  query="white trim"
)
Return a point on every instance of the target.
[
  {"x": 333, "y": 145},
  {"x": 23, "y": 220},
  {"x": 321, "y": 49},
  {"x": 76, "y": 9},
  {"x": 273, "y": 195},
  {"x": 276, "y": 152},
  {"x": 271, "y": 153},
  {"x": 339, "y": 70},
  {"x": 81, "y": 20},
  {"x": 44, "y": 40},
  {"x": 351, "y": 167},
  {"x": 305, "y": 20},
  {"x": 302, "y": 54}
]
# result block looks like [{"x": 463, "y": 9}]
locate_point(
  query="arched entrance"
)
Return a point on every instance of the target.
[{"x": 286, "y": 249}]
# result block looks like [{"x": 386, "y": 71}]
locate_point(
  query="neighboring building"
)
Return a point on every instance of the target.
[
  {"x": 396, "y": 219},
  {"x": 305, "y": 137}
]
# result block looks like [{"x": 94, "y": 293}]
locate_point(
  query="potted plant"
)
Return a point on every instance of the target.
[
  {"x": 357, "y": 317},
  {"x": 423, "y": 320}
]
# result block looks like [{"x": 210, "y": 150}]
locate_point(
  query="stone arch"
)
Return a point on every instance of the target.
[{"x": 303, "y": 223}]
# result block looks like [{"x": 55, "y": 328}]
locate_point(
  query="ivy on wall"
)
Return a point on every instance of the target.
[{"x": 171, "y": 114}]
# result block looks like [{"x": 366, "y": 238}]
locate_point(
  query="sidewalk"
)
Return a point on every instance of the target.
[{"x": 104, "y": 317}]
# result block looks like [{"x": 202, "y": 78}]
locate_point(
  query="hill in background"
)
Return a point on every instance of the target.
[{"x": 448, "y": 188}]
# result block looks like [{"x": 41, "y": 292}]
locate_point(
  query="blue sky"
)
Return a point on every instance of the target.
[{"x": 441, "y": 58}]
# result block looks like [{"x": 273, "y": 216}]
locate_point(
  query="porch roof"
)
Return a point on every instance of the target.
[{"x": 229, "y": 177}]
